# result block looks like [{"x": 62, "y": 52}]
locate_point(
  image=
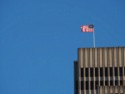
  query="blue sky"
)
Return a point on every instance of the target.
[{"x": 39, "y": 41}]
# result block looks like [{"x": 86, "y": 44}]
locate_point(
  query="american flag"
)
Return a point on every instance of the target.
[{"x": 87, "y": 28}]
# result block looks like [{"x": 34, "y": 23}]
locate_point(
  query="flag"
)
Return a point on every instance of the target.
[{"x": 87, "y": 28}]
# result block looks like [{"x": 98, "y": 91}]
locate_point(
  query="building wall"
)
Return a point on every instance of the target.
[
  {"x": 111, "y": 89},
  {"x": 99, "y": 67}
]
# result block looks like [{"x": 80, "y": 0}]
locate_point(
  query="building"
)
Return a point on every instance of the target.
[{"x": 100, "y": 71}]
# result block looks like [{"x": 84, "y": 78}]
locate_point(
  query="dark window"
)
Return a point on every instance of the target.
[
  {"x": 116, "y": 71},
  {"x": 106, "y": 72},
  {"x": 91, "y": 72},
  {"x": 82, "y": 85},
  {"x": 111, "y": 72},
  {"x": 111, "y": 82},
  {"x": 121, "y": 82},
  {"x": 87, "y": 85},
  {"x": 96, "y": 83},
  {"x": 82, "y": 72},
  {"x": 106, "y": 83},
  {"x": 76, "y": 84},
  {"x": 86, "y": 72},
  {"x": 92, "y": 92},
  {"x": 121, "y": 72},
  {"x": 87, "y": 91},
  {"x": 101, "y": 83},
  {"x": 91, "y": 85},
  {"x": 106, "y": 78},
  {"x": 121, "y": 77},
  {"x": 116, "y": 77},
  {"x": 96, "y": 87},
  {"x": 96, "y": 72},
  {"x": 101, "y": 72},
  {"x": 116, "y": 82},
  {"x": 124, "y": 70}
]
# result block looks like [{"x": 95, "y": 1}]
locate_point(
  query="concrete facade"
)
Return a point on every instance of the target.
[{"x": 100, "y": 71}]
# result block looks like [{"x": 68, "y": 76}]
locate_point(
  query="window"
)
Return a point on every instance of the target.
[
  {"x": 91, "y": 72},
  {"x": 76, "y": 84},
  {"x": 121, "y": 77},
  {"x": 116, "y": 71},
  {"x": 91, "y": 85},
  {"x": 116, "y": 82},
  {"x": 82, "y": 85},
  {"x": 111, "y": 72},
  {"x": 106, "y": 78},
  {"x": 87, "y": 85},
  {"x": 96, "y": 83},
  {"x": 106, "y": 83},
  {"x": 124, "y": 70},
  {"x": 121, "y": 72},
  {"x": 82, "y": 71},
  {"x": 101, "y": 83},
  {"x": 86, "y": 72},
  {"x": 111, "y": 82},
  {"x": 106, "y": 72},
  {"x": 101, "y": 72},
  {"x": 96, "y": 72},
  {"x": 121, "y": 82}
]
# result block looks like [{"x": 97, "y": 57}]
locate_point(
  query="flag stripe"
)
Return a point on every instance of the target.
[{"x": 87, "y": 28}]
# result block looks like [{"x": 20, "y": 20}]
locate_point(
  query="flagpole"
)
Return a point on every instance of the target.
[{"x": 94, "y": 38}]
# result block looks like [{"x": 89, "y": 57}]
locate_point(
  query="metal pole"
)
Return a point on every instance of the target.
[{"x": 94, "y": 39}]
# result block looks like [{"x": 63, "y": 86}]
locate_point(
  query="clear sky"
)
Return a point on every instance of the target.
[{"x": 39, "y": 41}]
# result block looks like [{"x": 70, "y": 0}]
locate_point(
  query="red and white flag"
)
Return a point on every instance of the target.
[{"x": 87, "y": 28}]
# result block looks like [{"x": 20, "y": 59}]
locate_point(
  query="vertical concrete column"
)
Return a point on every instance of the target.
[
  {"x": 118, "y": 65},
  {"x": 98, "y": 64},
  {"x": 108, "y": 61},
  {"x": 93, "y": 64},
  {"x": 80, "y": 60}
]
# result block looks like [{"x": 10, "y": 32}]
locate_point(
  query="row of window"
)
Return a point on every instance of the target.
[
  {"x": 118, "y": 71},
  {"x": 97, "y": 84},
  {"x": 103, "y": 78}
]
